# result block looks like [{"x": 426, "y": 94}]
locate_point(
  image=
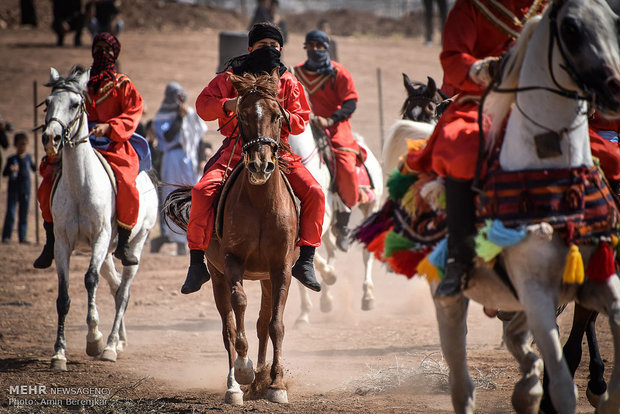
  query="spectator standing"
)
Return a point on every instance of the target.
[
  {"x": 68, "y": 16},
  {"x": 104, "y": 16},
  {"x": 29, "y": 13},
  {"x": 179, "y": 131},
  {"x": 18, "y": 169},
  {"x": 274, "y": 11},
  {"x": 262, "y": 13},
  {"x": 442, "y": 5}
]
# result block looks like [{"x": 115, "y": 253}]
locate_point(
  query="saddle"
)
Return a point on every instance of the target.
[{"x": 223, "y": 194}]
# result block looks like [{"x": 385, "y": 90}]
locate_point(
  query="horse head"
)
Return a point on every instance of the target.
[
  {"x": 425, "y": 102},
  {"x": 260, "y": 118},
  {"x": 587, "y": 40},
  {"x": 64, "y": 109}
]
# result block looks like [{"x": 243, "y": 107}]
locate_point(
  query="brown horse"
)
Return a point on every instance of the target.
[{"x": 256, "y": 233}]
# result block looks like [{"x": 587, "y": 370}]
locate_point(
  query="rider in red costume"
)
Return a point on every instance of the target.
[
  {"x": 476, "y": 33},
  {"x": 114, "y": 105},
  {"x": 333, "y": 98},
  {"x": 218, "y": 101}
]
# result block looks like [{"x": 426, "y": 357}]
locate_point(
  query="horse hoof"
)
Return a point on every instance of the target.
[
  {"x": 277, "y": 396},
  {"x": 95, "y": 348},
  {"x": 59, "y": 364},
  {"x": 368, "y": 304},
  {"x": 244, "y": 371},
  {"x": 593, "y": 398},
  {"x": 234, "y": 397},
  {"x": 329, "y": 278},
  {"x": 121, "y": 346},
  {"x": 302, "y": 323},
  {"x": 108, "y": 355}
]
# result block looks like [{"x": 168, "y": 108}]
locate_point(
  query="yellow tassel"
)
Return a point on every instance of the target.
[
  {"x": 408, "y": 202},
  {"x": 426, "y": 269},
  {"x": 614, "y": 241},
  {"x": 573, "y": 271}
]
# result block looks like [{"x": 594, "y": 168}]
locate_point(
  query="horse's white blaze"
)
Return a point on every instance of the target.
[{"x": 259, "y": 111}]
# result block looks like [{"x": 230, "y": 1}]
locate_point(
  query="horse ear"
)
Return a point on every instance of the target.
[
  {"x": 54, "y": 75},
  {"x": 275, "y": 74},
  {"x": 83, "y": 79},
  {"x": 431, "y": 87},
  {"x": 408, "y": 85}
]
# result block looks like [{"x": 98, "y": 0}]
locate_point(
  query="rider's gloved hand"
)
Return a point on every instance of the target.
[{"x": 482, "y": 71}]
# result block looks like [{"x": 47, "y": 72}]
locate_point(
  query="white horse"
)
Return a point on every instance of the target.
[
  {"x": 305, "y": 146},
  {"x": 561, "y": 61},
  {"x": 84, "y": 215}
]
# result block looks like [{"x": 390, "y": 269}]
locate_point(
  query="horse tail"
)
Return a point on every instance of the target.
[
  {"x": 177, "y": 205},
  {"x": 396, "y": 144}
]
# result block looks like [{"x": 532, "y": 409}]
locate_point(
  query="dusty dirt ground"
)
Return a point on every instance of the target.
[{"x": 384, "y": 360}]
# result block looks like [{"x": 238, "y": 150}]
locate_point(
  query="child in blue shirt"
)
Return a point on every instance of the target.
[{"x": 18, "y": 169}]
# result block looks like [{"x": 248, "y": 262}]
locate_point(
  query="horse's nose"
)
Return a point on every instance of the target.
[
  {"x": 45, "y": 138},
  {"x": 270, "y": 167},
  {"x": 253, "y": 167},
  {"x": 613, "y": 86}
]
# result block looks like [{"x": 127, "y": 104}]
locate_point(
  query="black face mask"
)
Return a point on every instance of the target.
[{"x": 259, "y": 61}]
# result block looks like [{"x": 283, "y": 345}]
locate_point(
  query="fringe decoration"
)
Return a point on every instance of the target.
[
  {"x": 439, "y": 255},
  {"x": 394, "y": 243},
  {"x": 405, "y": 262},
  {"x": 408, "y": 202},
  {"x": 573, "y": 271},
  {"x": 503, "y": 236},
  {"x": 430, "y": 272},
  {"x": 398, "y": 184},
  {"x": 601, "y": 266},
  {"x": 485, "y": 248},
  {"x": 434, "y": 192},
  {"x": 377, "y": 245},
  {"x": 375, "y": 224}
]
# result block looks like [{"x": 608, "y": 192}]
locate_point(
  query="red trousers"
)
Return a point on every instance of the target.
[
  {"x": 127, "y": 200},
  {"x": 452, "y": 149},
  {"x": 345, "y": 150},
  {"x": 305, "y": 187}
]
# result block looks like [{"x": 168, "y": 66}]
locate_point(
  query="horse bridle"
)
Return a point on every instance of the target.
[
  {"x": 263, "y": 139},
  {"x": 72, "y": 141}
]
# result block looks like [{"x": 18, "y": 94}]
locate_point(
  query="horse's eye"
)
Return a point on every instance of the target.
[{"x": 74, "y": 105}]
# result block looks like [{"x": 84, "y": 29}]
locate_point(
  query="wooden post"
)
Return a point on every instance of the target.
[
  {"x": 380, "y": 91},
  {"x": 36, "y": 160}
]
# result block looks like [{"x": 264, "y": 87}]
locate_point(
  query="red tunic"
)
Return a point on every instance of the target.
[
  {"x": 606, "y": 151},
  {"x": 327, "y": 95},
  {"x": 120, "y": 105},
  {"x": 209, "y": 106},
  {"x": 468, "y": 36}
]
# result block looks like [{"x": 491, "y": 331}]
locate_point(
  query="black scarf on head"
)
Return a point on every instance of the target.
[{"x": 261, "y": 60}]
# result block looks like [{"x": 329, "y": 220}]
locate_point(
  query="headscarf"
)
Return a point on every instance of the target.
[
  {"x": 104, "y": 65},
  {"x": 171, "y": 96},
  {"x": 319, "y": 60},
  {"x": 262, "y": 31},
  {"x": 261, "y": 60}
]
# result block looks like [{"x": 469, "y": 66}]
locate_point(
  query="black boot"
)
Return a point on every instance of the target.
[
  {"x": 122, "y": 248},
  {"x": 304, "y": 268},
  {"x": 47, "y": 255},
  {"x": 343, "y": 235},
  {"x": 460, "y": 211},
  {"x": 197, "y": 274}
]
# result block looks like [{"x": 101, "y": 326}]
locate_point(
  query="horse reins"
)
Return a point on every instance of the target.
[{"x": 71, "y": 142}]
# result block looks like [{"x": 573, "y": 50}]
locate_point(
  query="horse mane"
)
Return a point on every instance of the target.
[
  {"x": 71, "y": 82},
  {"x": 498, "y": 104}
]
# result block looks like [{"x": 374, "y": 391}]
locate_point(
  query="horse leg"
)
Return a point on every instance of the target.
[
  {"x": 280, "y": 283},
  {"x": 452, "y": 321},
  {"x": 262, "y": 325},
  {"x": 244, "y": 369},
  {"x": 605, "y": 298},
  {"x": 572, "y": 352},
  {"x": 306, "y": 305},
  {"x": 121, "y": 299},
  {"x": 596, "y": 385},
  {"x": 63, "y": 302},
  {"x": 221, "y": 294},
  {"x": 540, "y": 307},
  {"x": 368, "y": 299},
  {"x": 324, "y": 267},
  {"x": 527, "y": 392},
  {"x": 327, "y": 299},
  {"x": 109, "y": 273}
]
